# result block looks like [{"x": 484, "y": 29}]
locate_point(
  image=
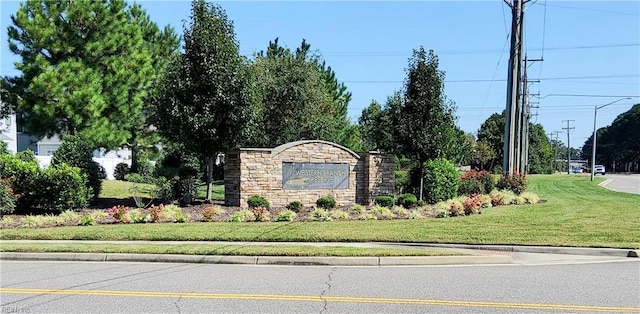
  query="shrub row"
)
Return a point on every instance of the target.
[{"x": 53, "y": 189}]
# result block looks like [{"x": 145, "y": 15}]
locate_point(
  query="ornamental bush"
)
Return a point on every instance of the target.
[
  {"x": 476, "y": 182},
  {"x": 407, "y": 200},
  {"x": 21, "y": 172},
  {"x": 61, "y": 188},
  {"x": 515, "y": 183},
  {"x": 441, "y": 180},
  {"x": 121, "y": 170},
  {"x": 383, "y": 200},
  {"x": 7, "y": 198},
  {"x": 326, "y": 202},
  {"x": 78, "y": 153},
  {"x": 295, "y": 206},
  {"x": 257, "y": 201}
]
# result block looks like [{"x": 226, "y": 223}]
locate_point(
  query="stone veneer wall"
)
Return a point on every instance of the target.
[{"x": 258, "y": 171}]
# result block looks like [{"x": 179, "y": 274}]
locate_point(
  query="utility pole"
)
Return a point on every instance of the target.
[
  {"x": 555, "y": 154},
  {"x": 568, "y": 130},
  {"x": 513, "y": 87},
  {"x": 523, "y": 143}
]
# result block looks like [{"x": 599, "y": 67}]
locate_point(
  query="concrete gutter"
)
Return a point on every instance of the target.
[
  {"x": 257, "y": 260},
  {"x": 536, "y": 249}
]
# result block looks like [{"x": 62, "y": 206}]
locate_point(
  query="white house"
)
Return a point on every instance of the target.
[{"x": 8, "y": 133}]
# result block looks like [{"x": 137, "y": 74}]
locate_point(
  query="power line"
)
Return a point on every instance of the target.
[
  {"x": 587, "y": 9},
  {"x": 502, "y": 80}
]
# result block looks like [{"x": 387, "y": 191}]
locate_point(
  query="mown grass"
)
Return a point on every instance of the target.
[
  {"x": 219, "y": 249},
  {"x": 577, "y": 212},
  {"x": 115, "y": 189}
]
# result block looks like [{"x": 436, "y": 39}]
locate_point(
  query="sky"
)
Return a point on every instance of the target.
[{"x": 591, "y": 51}]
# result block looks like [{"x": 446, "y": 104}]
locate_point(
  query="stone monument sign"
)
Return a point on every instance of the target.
[{"x": 304, "y": 171}]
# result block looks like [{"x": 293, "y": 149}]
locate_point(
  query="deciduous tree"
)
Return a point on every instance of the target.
[{"x": 203, "y": 100}]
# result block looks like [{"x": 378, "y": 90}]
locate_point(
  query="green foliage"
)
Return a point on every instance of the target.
[
  {"x": 298, "y": 97},
  {"x": 400, "y": 211},
  {"x": 256, "y": 201},
  {"x": 184, "y": 108},
  {"x": 87, "y": 220},
  {"x": 122, "y": 169},
  {"x": 357, "y": 208},
  {"x": 318, "y": 214},
  {"x": 76, "y": 152},
  {"x": 515, "y": 183},
  {"x": 4, "y": 148},
  {"x": 382, "y": 211},
  {"x": 295, "y": 206},
  {"x": 383, "y": 200},
  {"x": 137, "y": 178},
  {"x": 62, "y": 187},
  {"x": 326, "y": 202},
  {"x": 407, "y": 200},
  {"x": 339, "y": 215},
  {"x": 242, "y": 215},
  {"x": 138, "y": 216},
  {"x": 617, "y": 143},
  {"x": 7, "y": 198},
  {"x": 530, "y": 197},
  {"x": 426, "y": 119},
  {"x": 491, "y": 137},
  {"x": 22, "y": 176},
  {"x": 86, "y": 68},
  {"x": 441, "y": 180},
  {"x": 287, "y": 215}
]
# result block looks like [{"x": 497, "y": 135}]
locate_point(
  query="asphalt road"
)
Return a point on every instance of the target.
[
  {"x": 628, "y": 183},
  {"x": 119, "y": 287}
]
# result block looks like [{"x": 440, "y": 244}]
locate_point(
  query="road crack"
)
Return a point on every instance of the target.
[
  {"x": 324, "y": 292},
  {"x": 178, "y": 305}
]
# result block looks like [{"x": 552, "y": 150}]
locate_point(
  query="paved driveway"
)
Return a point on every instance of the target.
[{"x": 628, "y": 183}]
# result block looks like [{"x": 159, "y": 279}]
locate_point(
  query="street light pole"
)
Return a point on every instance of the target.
[{"x": 593, "y": 143}]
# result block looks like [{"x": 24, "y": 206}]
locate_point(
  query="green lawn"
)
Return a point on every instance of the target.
[
  {"x": 123, "y": 189},
  {"x": 577, "y": 212}
]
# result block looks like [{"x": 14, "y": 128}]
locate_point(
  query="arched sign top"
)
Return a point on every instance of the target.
[{"x": 283, "y": 147}]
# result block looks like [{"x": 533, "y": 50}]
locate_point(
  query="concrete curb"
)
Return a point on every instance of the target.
[
  {"x": 258, "y": 260},
  {"x": 537, "y": 249}
]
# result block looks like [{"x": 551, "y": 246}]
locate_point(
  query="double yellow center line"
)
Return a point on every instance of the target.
[{"x": 302, "y": 298}]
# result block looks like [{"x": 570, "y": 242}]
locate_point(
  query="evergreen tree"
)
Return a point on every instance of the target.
[{"x": 86, "y": 69}]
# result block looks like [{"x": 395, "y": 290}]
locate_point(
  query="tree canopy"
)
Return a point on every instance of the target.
[
  {"x": 203, "y": 100},
  {"x": 618, "y": 142},
  {"x": 86, "y": 68}
]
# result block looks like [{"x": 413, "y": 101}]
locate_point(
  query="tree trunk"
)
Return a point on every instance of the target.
[
  {"x": 210, "y": 160},
  {"x": 421, "y": 181},
  {"x": 134, "y": 159}
]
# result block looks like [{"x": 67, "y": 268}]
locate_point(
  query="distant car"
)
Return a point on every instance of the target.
[{"x": 599, "y": 169}]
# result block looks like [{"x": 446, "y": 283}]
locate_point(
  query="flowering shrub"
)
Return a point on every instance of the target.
[
  {"x": 261, "y": 213},
  {"x": 497, "y": 198},
  {"x": 472, "y": 204},
  {"x": 155, "y": 212},
  {"x": 210, "y": 213},
  {"x": 120, "y": 213},
  {"x": 476, "y": 182},
  {"x": 515, "y": 183},
  {"x": 7, "y": 198}
]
